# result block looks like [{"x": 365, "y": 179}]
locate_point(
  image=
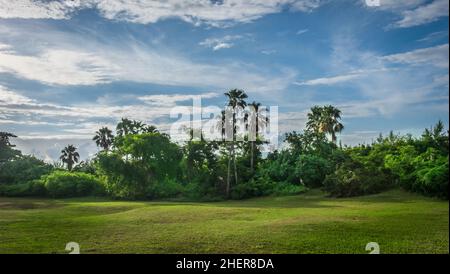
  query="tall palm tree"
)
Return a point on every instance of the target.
[
  {"x": 124, "y": 127},
  {"x": 104, "y": 138},
  {"x": 315, "y": 119},
  {"x": 257, "y": 121},
  {"x": 69, "y": 156},
  {"x": 221, "y": 125},
  {"x": 332, "y": 125},
  {"x": 149, "y": 129},
  {"x": 4, "y": 138},
  {"x": 127, "y": 126},
  {"x": 236, "y": 101},
  {"x": 325, "y": 120},
  {"x": 137, "y": 127}
]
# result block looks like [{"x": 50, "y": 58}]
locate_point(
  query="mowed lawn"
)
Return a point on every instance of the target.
[{"x": 398, "y": 221}]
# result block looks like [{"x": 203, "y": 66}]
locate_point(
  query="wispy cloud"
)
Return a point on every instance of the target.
[
  {"x": 300, "y": 32},
  {"x": 436, "y": 56},
  {"x": 220, "y": 43},
  {"x": 173, "y": 99},
  {"x": 58, "y": 66},
  {"x": 423, "y": 14},
  {"x": 329, "y": 80},
  {"x": 99, "y": 63},
  {"x": 143, "y": 12}
]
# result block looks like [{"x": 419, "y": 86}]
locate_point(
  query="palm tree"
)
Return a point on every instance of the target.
[
  {"x": 221, "y": 124},
  {"x": 332, "y": 115},
  {"x": 325, "y": 120},
  {"x": 69, "y": 156},
  {"x": 124, "y": 127},
  {"x": 137, "y": 127},
  {"x": 315, "y": 118},
  {"x": 256, "y": 121},
  {"x": 4, "y": 138},
  {"x": 149, "y": 129},
  {"x": 104, "y": 138},
  {"x": 236, "y": 101}
]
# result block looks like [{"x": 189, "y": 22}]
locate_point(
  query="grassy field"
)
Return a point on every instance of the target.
[{"x": 310, "y": 223}]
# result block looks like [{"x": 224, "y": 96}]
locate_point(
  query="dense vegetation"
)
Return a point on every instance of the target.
[{"x": 140, "y": 162}]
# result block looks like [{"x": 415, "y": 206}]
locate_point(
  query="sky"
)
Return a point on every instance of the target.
[{"x": 69, "y": 67}]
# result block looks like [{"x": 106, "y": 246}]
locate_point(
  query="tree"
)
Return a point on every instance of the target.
[
  {"x": 325, "y": 119},
  {"x": 69, "y": 156},
  {"x": 153, "y": 164},
  {"x": 127, "y": 126},
  {"x": 236, "y": 101},
  {"x": 6, "y": 148},
  {"x": 104, "y": 138},
  {"x": 257, "y": 121}
]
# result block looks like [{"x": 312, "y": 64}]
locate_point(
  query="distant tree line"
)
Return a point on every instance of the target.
[{"x": 139, "y": 162}]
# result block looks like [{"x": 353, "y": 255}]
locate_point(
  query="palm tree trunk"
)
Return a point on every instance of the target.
[
  {"x": 228, "y": 172},
  {"x": 252, "y": 156},
  {"x": 235, "y": 168}
]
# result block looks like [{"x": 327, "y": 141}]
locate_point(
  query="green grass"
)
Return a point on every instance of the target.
[{"x": 309, "y": 223}]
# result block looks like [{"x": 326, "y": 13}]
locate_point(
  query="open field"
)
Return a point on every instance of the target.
[{"x": 310, "y": 223}]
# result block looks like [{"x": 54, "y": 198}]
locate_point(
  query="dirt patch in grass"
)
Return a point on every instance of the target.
[{"x": 24, "y": 205}]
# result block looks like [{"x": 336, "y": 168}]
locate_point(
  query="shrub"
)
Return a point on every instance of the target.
[
  {"x": 284, "y": 189},
  {"x": 72, "y": 184},
  {"x": 23, "y": 169},
  {"x": 312, "y": 170},
  {"x": 353, "y": 179},
  {"x": 34, "y": 188},
  {"x": 168, "y": 188},
  {"x": 433, "y": 181},
  {"x": 253, "y": 188}
]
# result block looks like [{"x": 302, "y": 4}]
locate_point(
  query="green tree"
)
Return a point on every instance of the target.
[
  {"x": 325, "y": 119},
  {"x": 236, "y": 101},
  {"x": 153, "y": 160},
  {"x": 69, "y": 156},
  {"x": 104, "y": 138},
  {"x": 7, "y": 151},
  {"x": 257, "y": 122}
]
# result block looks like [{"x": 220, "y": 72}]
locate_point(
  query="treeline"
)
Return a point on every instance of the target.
[{"x": 139, "y": 162}]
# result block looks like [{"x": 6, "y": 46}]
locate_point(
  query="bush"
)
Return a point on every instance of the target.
[
  {"x": 23, "y": 169},
  {"x": 72, "y": 184},
  {"x": 284, "y": 189},
  {"x": 353, "y": 179},
  {"x": 312, "y": 170},
  {"x": 253, "y": 188},
  {"x": 433, "y": 181},
  {"x": 168, "y": 188},
  {"x": 34, "y": 188}
]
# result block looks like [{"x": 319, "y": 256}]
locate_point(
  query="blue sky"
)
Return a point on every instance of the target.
[{"x": 70, "y": 67}]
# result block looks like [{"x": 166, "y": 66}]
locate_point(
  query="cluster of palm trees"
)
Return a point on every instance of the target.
[
  {"x": 325, "y": 120},
  {"x": 104, "y": 139},
  {"x": 254, "y": 121}
]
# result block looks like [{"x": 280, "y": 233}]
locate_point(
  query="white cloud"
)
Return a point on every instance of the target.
[
  {"x": 436, "y": 56},
  {"x": 60, "y": 67},
  {"x": 37, "y": 9},
  {"x": 220, "y": 43},
  {"x": 172, "y": 99},
  {"x": 150, "y": 11},
  {"x": 300, "y": 32},
  {"x": 269, "y": 51},
  {"x": 423, "y": 14},
  {"x": 97, "y": 64},
  {"x": 329, "y": 80}
]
